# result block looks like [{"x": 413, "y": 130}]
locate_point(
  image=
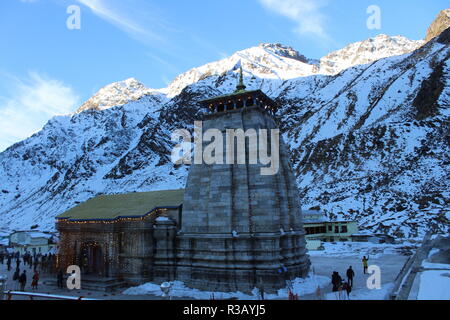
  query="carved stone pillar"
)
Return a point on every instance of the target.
[{"x": 164, "y": 265}]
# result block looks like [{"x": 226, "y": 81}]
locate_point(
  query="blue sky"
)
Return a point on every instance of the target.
[{"x": 48, "y": 69}]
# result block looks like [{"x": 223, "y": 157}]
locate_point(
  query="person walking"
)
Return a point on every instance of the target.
[
  {"x": 16, "y": 277},
  {"x": 261, "y": 292},
  {"x": 35, "y": 282},
  {"x": 60, "y": 278},
  {"x": 350, "y": 276},
  {"x": 347, "y": 288},
  {"x": 23, "y": 280},
  {"x": 36, "y": 263},
  {"x": 8, "y": 263},
  {"x": 336, "y": 281},
  {"x": 365, "y": 262}
]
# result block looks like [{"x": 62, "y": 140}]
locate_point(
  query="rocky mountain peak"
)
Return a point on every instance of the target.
[
  {"x": 114, "y": 94},
  {"x": 439, "y": 24},
  {"x": 284, "y": 51}
]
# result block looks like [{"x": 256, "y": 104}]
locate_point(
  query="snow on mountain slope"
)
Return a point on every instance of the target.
[
  {"x": 367, "y": 51},
  {"x": 275, "y": 61},
  {"x": 67, "y": 161},
  {"x": 368, "y": 146},
  {"x": 368, "y": 143},
  {"x": 267, "y": 61},
  {"x": 116, "y": 94}
]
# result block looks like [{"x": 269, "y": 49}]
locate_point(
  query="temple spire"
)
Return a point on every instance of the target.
[{"x": 241, "y": 86}]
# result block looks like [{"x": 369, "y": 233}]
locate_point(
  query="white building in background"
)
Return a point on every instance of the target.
[
  {"x": 4, "y": 241},
  {"x": 318, "y": 229},
  {"x": 32, "y": 241}
]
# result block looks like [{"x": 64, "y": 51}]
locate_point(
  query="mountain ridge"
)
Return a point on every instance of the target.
[
  {"x": 259, "y": 60},
  {"x": 356, "y": 139}
]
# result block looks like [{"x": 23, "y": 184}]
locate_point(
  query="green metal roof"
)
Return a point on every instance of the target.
[{"x": 130, "y": 205}]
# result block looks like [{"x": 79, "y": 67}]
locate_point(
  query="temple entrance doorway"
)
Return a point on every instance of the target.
[{"x": 92, "y": 259}]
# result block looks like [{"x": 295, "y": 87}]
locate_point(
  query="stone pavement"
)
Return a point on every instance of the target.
[
  {"x": 323, "y": 265},
  {"x": 50, "y": 289}
]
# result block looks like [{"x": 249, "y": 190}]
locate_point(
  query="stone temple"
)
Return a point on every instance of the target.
[{"x": 231, "y": 229}]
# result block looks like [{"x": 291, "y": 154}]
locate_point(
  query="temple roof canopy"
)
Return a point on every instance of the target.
[
  {"x": 240, "y": 98},
  {"x": 236, "y": 94}
]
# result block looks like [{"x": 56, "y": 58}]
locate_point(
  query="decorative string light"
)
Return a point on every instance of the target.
[
  {"x": 72, "y": 242},
  {"x": 111, "y": 221}
]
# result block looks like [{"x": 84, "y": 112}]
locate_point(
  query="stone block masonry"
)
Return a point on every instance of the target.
[{"x": 239, "y": 227}]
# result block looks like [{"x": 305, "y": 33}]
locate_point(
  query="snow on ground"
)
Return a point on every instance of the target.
[
  {"x": 339, "y": 255},
  {"x": 434, "y": 281},
  {"x": 429, "y": 265},
  {"x": 300, "y": 287},
  {"x": 348, "y": 249},
  {"x": 432, "y": 252},
  {"x": 434, "y": 285},
  {"x": 364, "y": 294}
]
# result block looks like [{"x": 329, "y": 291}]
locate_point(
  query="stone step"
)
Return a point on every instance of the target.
[{"x": 103, "y": 285}]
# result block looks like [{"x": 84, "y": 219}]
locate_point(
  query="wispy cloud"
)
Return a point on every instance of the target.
[
  {"x": 129, "y": 17},
  {"x": 144, "y": 22},
  {"x": 29, "y": 105},
  {"x": 305, "y": 13}
]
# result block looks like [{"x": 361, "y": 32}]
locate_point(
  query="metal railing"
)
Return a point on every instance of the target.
[
  {"x": 407, "y": 274},
  {"x": 9, "y": 294}
]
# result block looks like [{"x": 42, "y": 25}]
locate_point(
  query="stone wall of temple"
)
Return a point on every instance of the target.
[{"x": 239, "y": 226}]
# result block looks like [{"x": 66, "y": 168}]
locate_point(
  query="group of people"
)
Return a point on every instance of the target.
[
  {"x": 21, "y": 279},
  {"x": 340, "y": 286},
  {"x": 36, "y": 262},
  {"x": 43, "y": 263}
]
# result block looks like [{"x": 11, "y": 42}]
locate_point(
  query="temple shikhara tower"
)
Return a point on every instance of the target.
[
  {"x": 239, "y": 227},
  {"x": 231, "y": 229}
]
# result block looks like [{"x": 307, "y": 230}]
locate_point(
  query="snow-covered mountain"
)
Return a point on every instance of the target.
[
  {"x": 117, "y": 93},
  {"x": 367, "y": 51},
  {"x": 368, "y": 142},
  {"x": 276, "y": 61}
]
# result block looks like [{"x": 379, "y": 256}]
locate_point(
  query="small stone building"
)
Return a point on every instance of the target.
[{"x": 127, "y": 236}]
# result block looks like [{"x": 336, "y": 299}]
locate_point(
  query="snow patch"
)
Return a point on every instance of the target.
[{"x": 300, "y": 286}]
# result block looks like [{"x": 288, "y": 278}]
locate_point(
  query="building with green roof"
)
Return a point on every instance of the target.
[{"x": 120, "y": 236}]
